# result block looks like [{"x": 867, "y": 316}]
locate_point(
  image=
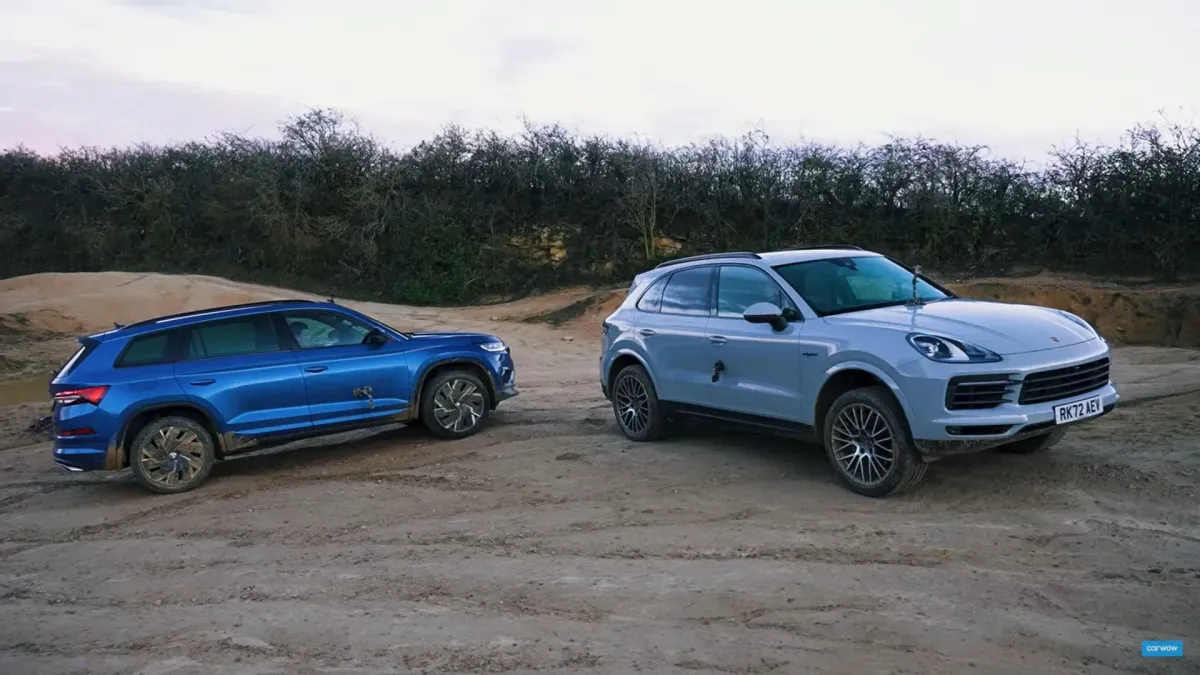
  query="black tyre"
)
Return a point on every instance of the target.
[
  {"x": 172, "y": 454},
  {"x": 1032, "y": 444},
  {"x": 635, "y": 405},
  {"x": 455, "y": 404},
  {"x": 869, "y": 444}
]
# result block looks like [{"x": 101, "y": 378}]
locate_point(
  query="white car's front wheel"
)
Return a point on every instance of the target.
[{"x": 869, "y": 444}]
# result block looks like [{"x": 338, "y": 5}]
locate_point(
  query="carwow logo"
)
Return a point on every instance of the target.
[{"x": 1162, "y": 648}]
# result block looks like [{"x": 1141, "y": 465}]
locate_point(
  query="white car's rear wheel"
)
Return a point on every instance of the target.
[{"x": 635, "y": 405}]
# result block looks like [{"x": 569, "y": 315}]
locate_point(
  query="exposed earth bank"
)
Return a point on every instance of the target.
[{"x": 548, "y": 543}]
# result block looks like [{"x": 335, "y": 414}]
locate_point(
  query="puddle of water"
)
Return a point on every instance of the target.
[{"x": 28, "y": 390}]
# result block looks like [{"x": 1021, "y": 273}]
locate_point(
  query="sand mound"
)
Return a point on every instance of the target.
[
  {"x": 1148, "y": 315},
  {"x": 77, "y": 303}
]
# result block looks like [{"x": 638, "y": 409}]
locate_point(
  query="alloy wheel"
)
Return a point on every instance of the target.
[
  {"x": 458, "y": 405},
  {"x": 172, "y": 456},
  {"x": 633, "y": 405},
  {"x": 863, "y": 444}
]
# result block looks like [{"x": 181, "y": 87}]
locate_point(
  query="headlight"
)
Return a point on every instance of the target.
[
  {"x": 945, "y": 350},
  {"x": 1081, "y": 323},
  {"x": 493, "y": 346}
]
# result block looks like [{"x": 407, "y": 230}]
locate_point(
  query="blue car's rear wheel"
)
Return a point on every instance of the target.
[
  {"x": 636, "y": 406},
  {"x": 455, "y": 404},
  {"x": 172, "y": 454},
  {"x": 869, "y": 443}
]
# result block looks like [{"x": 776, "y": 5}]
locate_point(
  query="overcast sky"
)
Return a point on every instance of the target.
[{"x": 1019, "y": 75}]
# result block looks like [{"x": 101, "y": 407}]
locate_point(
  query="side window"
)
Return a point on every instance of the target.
[
  {"x": 687, "y": 292},
  {"x": 321, "y": 328},
  {"x": 146, "y": 350},
  {"x": 244, "y": 335},
  {"x": 651, "y": 300},
  {"x": 739, "y": 287}
]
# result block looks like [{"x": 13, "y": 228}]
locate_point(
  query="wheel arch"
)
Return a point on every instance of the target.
[
  {"x": 475, "y": 366},
  {"x": 623, "y": 359},
  {"x": 854, "y": 375},
  {"x": 119, "y": 449}
]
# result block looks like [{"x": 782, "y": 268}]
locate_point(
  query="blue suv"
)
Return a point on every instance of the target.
[
  {"x": 885, "y": 368},
  {"x": 170, "y": 396}
]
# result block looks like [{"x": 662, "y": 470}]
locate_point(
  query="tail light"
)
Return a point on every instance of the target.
[{"x": 91, "y": 395}]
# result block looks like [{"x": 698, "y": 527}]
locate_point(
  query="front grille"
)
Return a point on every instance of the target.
[
  {"x": 978, "y": 392},
  {"x": 1060, "y": 383}
]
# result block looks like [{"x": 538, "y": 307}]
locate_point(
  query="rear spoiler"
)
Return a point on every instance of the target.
[{"x": 641, "y": 279}]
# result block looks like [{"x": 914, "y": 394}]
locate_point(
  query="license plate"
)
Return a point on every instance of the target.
[{"x": 1079, "y": 410}]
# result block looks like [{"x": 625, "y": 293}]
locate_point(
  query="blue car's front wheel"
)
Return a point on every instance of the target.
[
  {"x": 455, "y": 404},
  {"x": 869, "y": 443}
]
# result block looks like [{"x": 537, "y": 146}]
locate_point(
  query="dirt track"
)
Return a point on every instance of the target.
[{"x": 548, "y": 543}]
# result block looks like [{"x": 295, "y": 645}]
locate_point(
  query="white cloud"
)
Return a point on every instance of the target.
[{"x": 1021, "y": 74}]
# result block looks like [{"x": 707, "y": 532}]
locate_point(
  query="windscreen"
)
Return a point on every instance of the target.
[{"x": 854, "y": 283}]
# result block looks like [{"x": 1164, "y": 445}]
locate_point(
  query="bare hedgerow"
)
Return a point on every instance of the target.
[{"x": 329, "y": 208}]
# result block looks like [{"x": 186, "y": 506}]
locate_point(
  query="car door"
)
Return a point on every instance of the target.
[
  {"x": 241, "y": 370},
  {"x": 671, "y": 325},
  {"x": 762, "y": 366},
  {"x": 348, "y": 381}
]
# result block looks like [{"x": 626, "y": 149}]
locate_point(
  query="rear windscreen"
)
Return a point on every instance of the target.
[{"x": 72, "y": 363}]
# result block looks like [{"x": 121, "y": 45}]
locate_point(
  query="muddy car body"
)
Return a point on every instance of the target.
[{"x": 169, "y": 396}]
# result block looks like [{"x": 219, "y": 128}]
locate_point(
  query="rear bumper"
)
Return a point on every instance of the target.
[
  {"x": 95, "y": 451},
  {"x": 81, "y": 456}
]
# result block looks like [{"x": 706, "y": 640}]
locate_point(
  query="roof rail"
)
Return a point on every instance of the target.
[
  {"x": 845, "y": 247},
  {"x": 184, "y": 315},
  {"x": 708, "y": 256}
]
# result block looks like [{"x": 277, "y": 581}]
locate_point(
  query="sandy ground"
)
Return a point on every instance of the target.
[{"x": 548, "y": 543}]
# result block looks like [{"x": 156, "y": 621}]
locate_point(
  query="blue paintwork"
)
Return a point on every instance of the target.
[
  {"x": 265, "y": 397},
  {"x": 780, "y": 374}
]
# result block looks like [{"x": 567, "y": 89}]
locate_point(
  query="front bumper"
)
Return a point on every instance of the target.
[
  {"x": 505, "y": 392},
  {"x": 506, "y": 384},
  {"x": 938, "y": 431}
]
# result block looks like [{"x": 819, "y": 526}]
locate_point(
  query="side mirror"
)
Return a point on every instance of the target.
[
  {"x": 765, "y": 312},
  {"x": 375, "y": 338}
]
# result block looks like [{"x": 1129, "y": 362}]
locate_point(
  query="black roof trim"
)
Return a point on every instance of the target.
[
  {"x": 709, "y": 256},
  {"x": 832, "y": 247}
]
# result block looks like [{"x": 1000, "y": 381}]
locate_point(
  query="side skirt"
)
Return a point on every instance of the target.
[
  {"x": 236, "y": 445},
  {"x": 773, "y": 425}
]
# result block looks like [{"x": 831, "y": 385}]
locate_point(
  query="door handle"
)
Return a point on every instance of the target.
[
  {"x": 204, "y": 382},
  {"x": 645, "y": 332},
  {"x": 718, "y": 339},
  {"x": 316, "y": 369}
]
